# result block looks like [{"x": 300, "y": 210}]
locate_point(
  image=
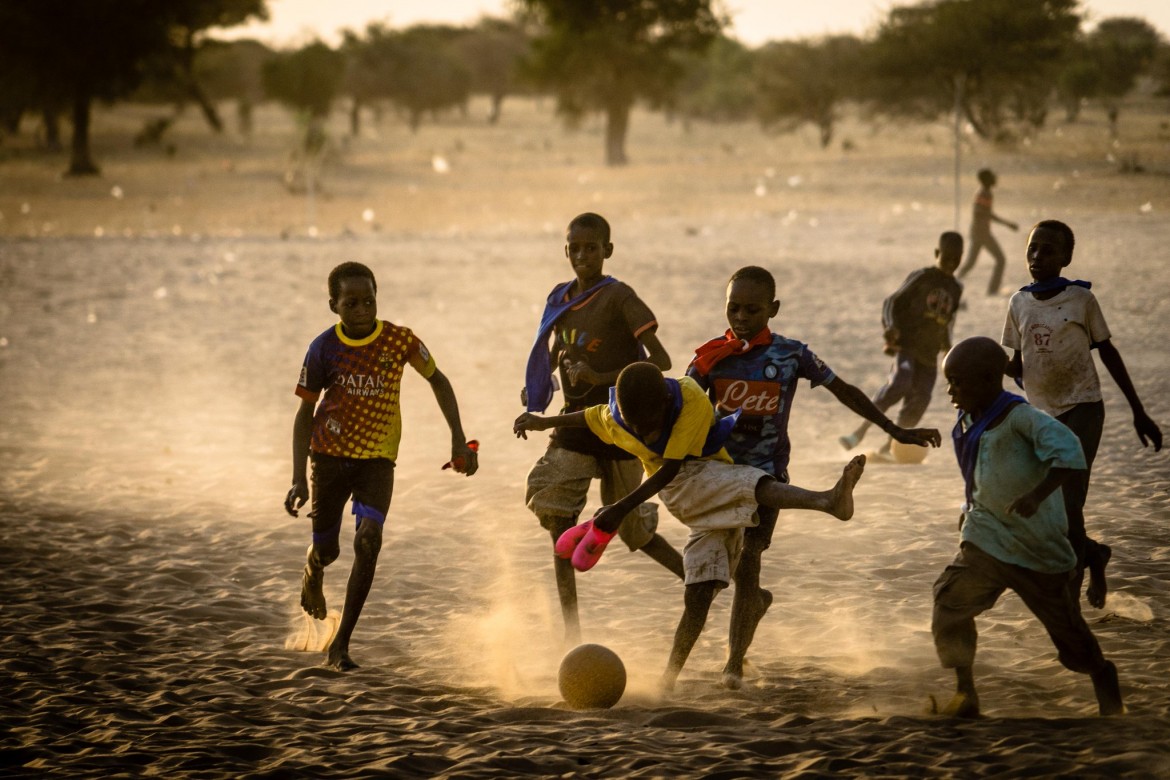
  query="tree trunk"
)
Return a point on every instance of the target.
[
  {"x": 355, "y": 118},
  {"x": 51, "y": 117},
  {"x": 617, "y": 124},
  {"x": 497, "y": 105},
  {"x": 80, "y": 162}
]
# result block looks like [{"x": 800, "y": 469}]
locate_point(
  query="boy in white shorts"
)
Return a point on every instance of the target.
[{"x": 670, "y": 426}]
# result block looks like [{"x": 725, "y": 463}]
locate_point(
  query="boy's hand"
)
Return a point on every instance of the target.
[
  {"x": 1024, "y": 506},
  {"x": 608, "y": 518},
  {"x": 1147, "y": 431},
  {"x": 298, "y": 494},
  {"x": 580, "y": 371},
  {"x": 891, "y": 337},
  {"x": 527, "y": 422},
  {"x": 464, "y": 458},
  {"x": 923, "y": 437}
]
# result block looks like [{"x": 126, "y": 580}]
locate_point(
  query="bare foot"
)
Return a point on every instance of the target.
[
  {"x": 339, "y": 659},
  {"x": 731, "y": 681},
  {"x": 841, "y": 497},
  {"x": 732, "y": 678},
  {"x": 313, "y": 592},
  {"x": 960, "y": 706},
  {"x": 1098, "y": 588}
]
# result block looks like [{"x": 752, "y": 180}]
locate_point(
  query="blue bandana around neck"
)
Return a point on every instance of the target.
[
  {"x": 538, "y": 376},
  {"x": 1055, "y": 283},
  {"x": 967, "y": 441},
  {"x": 716, "y": 436}
]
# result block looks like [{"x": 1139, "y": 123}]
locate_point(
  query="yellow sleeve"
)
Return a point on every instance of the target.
[
  {"x": 600, "y": 421},
  {"x": 694, "y": 422},
  {"x": 421, "y": 358}
]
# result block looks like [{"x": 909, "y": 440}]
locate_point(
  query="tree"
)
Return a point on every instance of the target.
[
  {"x": 716, "y": 84},
  {"x": 428, "y": 75},
  {"x": 994, "y": 59},
  {"x": 491, "y": 52},
  {"x": 604, "y": 54},
  {"x": 306, "y": 80},
  {"x": 231, "y": 70},
  {"x": 806, "y": 81}
]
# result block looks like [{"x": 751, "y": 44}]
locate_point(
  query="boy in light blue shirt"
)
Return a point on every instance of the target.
[{"x": 1014, "y": 530}]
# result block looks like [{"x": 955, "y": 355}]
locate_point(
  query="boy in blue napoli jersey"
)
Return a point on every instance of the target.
[
  {"x": 754, "y": 371},
  {"x": 352, "y": 438}
]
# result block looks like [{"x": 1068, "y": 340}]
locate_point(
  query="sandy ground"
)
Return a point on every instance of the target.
[{"x": 152, "y": 325}]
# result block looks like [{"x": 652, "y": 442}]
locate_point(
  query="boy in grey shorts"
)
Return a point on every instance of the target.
[{"x": 592, "y": 327}]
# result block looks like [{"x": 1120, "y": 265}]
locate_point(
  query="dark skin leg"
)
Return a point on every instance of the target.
[
  {"x": 312, "y": 585},
  {"x": 566, "y": 585},
  {"x": 660, "y": 550},
  {"x": 696, "y": 605},
  {"x": 367, "y": 544},
  {"x": 748, "y": 607}
]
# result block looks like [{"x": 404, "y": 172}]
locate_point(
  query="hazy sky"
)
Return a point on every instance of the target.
[{"x": 754, "y": 21}]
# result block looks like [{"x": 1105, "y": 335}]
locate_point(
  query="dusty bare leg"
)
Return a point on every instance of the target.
[
  {"x": 697, "y": 603},
  {"x": 1098, "y": 588},
  {"x": 312, "y": 586},
  {"x": 661, "y": 552},
  {"x": 748, "y": 607},
  {"x": 566, "y": 585},
  {"x": 367, "y": 544},
  {"x": 837, "y": 501}
]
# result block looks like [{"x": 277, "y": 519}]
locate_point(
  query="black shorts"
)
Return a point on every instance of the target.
[{"x": 369, "y": 481}]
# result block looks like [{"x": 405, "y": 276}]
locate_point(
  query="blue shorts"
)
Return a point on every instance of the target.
[{"x": 369, "y": 481}]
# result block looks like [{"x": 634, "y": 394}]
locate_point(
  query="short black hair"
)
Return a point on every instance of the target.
[
  {"x": 641, "y": 392},
  {"x": 593, "y": 222},
  {"x": 949, "y": 239},
  {"x": 761, "y": 276},
  {"x": 1070, "y": 241},
  {"x": 349, "y": 270},
  {"x": 986, "y": 176}
]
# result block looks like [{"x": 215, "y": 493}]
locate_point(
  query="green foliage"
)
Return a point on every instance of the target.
[
  {"x": 807, "y": 81},
  {"x": 307, "y": 79},
  {"x": 492, "y": 52},
  {"x": 717, "y": 83},
  {"x": 1105, "y": 64},
  {"x": 603, "y": 54},
  {"x": 1000, "y": 57}
]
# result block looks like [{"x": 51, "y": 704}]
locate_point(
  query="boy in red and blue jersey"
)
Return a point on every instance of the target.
[
  {"x": 755, "y": 371},
  {"x": 352, "y": 438}
]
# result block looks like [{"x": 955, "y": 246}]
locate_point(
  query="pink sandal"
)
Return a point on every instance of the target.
[
  {"x": 589, "y": 551},
  {"x": 568, "y": 541}
]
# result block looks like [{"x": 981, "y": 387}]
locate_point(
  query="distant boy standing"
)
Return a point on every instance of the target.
[
  {"x": 918, "y": 318},
  {"x": 352, "y": 438},
  {"x": 982, "y": 216},
  {"x": 753, "y": 372},
  {"x": 1053, "y": 324},
  {"x": 1013, "y": 457},
  {"x": 597, "y": 326}
]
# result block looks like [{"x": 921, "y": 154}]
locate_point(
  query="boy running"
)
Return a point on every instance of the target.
[{"x": 352, "y": 438}]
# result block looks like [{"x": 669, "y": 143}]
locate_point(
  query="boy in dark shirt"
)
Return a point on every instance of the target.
[
  {"x": 918, "y": 318},
  {"x": 598, "y": 326}
]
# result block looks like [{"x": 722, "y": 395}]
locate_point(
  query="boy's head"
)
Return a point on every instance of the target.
[
  {"x": 949, "y": 251},
  {"x": 1050, "y": 249},
  {"x": 353, "y": 296},
  {"x": 986, "y": 177},
  {"x": 642, "y": 399},
  {"x": 587, "y": 246},
  {"x": 751, "y": 301},
  {"x": 974, "y": 373}
]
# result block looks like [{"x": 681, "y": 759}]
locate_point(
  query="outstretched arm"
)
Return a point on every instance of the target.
[
  {"x": 859, "y": 403},
  {"x": 298, "y": 494},
  {"x": 534, "y": 422},
  {"x": 1147, "y": 429},
  {"x": 608, "y": 518},
  {"x": 463, "y": 458},
  {"x": 1002, "y": 221}
]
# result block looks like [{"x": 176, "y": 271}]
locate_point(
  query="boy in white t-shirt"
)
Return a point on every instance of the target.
[{"x": 1053, "y": 324}]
